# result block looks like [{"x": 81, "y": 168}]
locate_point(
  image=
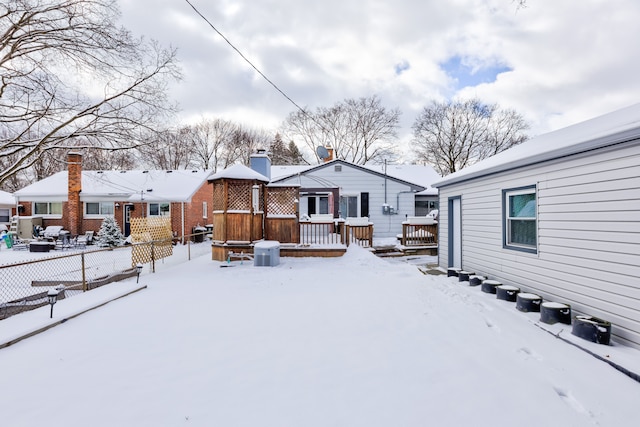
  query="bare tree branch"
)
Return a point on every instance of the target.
[
  {"x": 456, "y": 134},
  {"x": 360, "y": 131},
  {"x": 72, "y": 79}
]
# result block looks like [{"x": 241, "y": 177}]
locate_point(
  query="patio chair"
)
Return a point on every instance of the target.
[{"x": 84, "y": 240}]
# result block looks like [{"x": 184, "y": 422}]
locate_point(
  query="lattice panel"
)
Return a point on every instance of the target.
[
  {"x": 153, "y": 229},
  {"x": 281, "y": 201},
  {"x": 239, "y": 196},
  {"x": 218, "y": 196}
]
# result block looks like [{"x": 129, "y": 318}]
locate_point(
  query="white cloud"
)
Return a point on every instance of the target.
[{"x": 569, "y": 61}]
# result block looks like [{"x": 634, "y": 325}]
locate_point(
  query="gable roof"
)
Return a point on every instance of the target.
[
  {"x": 153, "y": 185},
  {"x": 417, "y": 176},
  {"x": 610, "y": 129}
]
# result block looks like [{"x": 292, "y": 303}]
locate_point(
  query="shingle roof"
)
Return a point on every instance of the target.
[{"x": 156, "y": 185}]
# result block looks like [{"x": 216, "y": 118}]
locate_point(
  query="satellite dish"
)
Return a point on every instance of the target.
[{"x": 322, "y": 152}]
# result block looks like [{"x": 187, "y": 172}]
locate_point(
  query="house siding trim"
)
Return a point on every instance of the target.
[
  {"x": 450, "y": 230},
  {"x": 588, "y": 232}
]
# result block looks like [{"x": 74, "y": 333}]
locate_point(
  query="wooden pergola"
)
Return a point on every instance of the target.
[{"x": 246, "y": 210}]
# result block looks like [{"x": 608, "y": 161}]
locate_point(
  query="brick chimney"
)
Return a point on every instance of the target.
[
  {"x": 73, "y": 222},
  {"x": 330, "y": 156}
]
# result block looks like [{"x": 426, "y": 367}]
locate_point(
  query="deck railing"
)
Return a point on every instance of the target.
[
  {"x": 335, "y": 232},
  {"x": 419, "y": 231},
  {"x": 320, "y": 233}
]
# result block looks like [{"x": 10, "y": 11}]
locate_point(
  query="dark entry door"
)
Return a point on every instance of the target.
[{"x": 127, "y": 220}]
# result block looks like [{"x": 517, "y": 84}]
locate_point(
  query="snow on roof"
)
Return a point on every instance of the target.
[
  {"x": 282, "y": 171},
  {"x": 156, "y": 185},
  {"x": 618, "y": 126},
  {"x": 7, "y": 199},
  {"x": 415, "y": 174},
  {"x": 238, "y": 172}
]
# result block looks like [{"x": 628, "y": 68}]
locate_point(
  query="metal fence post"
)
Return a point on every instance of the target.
[
  {"x": 153, "y": 258},
  {"x": 84, "y": 275}
]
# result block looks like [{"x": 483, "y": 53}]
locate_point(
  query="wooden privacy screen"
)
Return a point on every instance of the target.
[
  {"x": 151, "y": 229},
  {"x": 281, "y": 201},
  {"x": 239, "y": 196}
]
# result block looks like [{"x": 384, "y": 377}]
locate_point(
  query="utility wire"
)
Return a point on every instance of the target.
[{"x": 248, "y": 61}]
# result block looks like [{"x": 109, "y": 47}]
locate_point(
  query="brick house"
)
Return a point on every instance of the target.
[{"x": 79, "y": 200}]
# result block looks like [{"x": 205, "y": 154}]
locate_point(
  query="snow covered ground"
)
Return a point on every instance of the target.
[{"x": 353, "y": 341}]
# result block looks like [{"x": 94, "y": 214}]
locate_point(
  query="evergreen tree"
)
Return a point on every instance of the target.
[
  {"x": 295, "y": 156},
  {"x": 278, "y": 152},
  {"x": 110, "y": 234}
]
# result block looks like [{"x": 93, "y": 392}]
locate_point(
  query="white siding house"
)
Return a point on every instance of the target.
[
  {"x": 559, "y": 216},
  {"x": 343, "y": 189}
]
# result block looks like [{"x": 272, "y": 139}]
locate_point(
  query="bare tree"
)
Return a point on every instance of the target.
[
  {"x": 244, "y": 143},
  {"x": 453, "y": 135},
  {"x": 97, "y": 159},
  {"x": 360, "y": 131},
  {"x": 169, "y": 150},
  {"x": 210, "y": 139},
  {"x": 69, "y": 74},
  {"x": 373, "y": 130}
]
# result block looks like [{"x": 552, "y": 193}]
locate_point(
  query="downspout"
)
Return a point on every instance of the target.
[
  {"x": 385, "y": 182},
  {"x": 183, "y": 229}
]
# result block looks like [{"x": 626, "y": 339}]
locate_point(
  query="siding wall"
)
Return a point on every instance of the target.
[
  {"x": 353, "y": 181},
  {"x": 588, "y": 234}
]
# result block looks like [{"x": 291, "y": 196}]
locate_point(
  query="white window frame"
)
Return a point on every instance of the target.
[
  {"x": 507, "y": 219},
  {"x": 49, "y": 211},
  {"x": 204, "y": 209},
  {"x": 160, "y": 211},
  {"x": 104, "y": 209},
  {"x": 346, "y": 198}
]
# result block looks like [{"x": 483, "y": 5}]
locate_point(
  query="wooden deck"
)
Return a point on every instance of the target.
[{"x": 224, "y": 251}]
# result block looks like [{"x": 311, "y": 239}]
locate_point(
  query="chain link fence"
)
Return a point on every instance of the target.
[{"x": 25, "y": 282}]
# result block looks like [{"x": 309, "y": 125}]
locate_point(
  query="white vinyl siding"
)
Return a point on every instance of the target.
[
  {"x": 588, "y": 234},
  {"x": 354, "y": 181}
]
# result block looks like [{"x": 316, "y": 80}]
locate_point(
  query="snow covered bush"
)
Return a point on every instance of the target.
[{"x": 110, "y": 234}]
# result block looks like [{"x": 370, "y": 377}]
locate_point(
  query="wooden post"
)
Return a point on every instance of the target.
[{"x": 225, "y": 193}]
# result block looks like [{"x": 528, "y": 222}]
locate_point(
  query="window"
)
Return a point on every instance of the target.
[
  {"x": 98, "y": 208},
  {"x": 364, "y": 204},
  {"x": 159, "y": 209},
  {"x": 317, "y": 205},
  {"x": 349, "y": 206},
  {"x": 5, "y": 214},
  {"x": 520, "y": 219},
  {"x": 423, "y": 205},
  {"x": 204, "y": 209},
  {"x": 47, "y": 208}
]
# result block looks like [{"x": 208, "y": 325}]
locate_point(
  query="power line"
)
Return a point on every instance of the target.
[{"x": 248, "y": 61}]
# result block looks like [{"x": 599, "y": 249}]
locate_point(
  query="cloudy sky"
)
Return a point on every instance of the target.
[{"x": 557, "y": 62}]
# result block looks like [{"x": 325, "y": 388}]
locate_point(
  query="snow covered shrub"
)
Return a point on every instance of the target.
[{"x": 110, "y": 234}]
